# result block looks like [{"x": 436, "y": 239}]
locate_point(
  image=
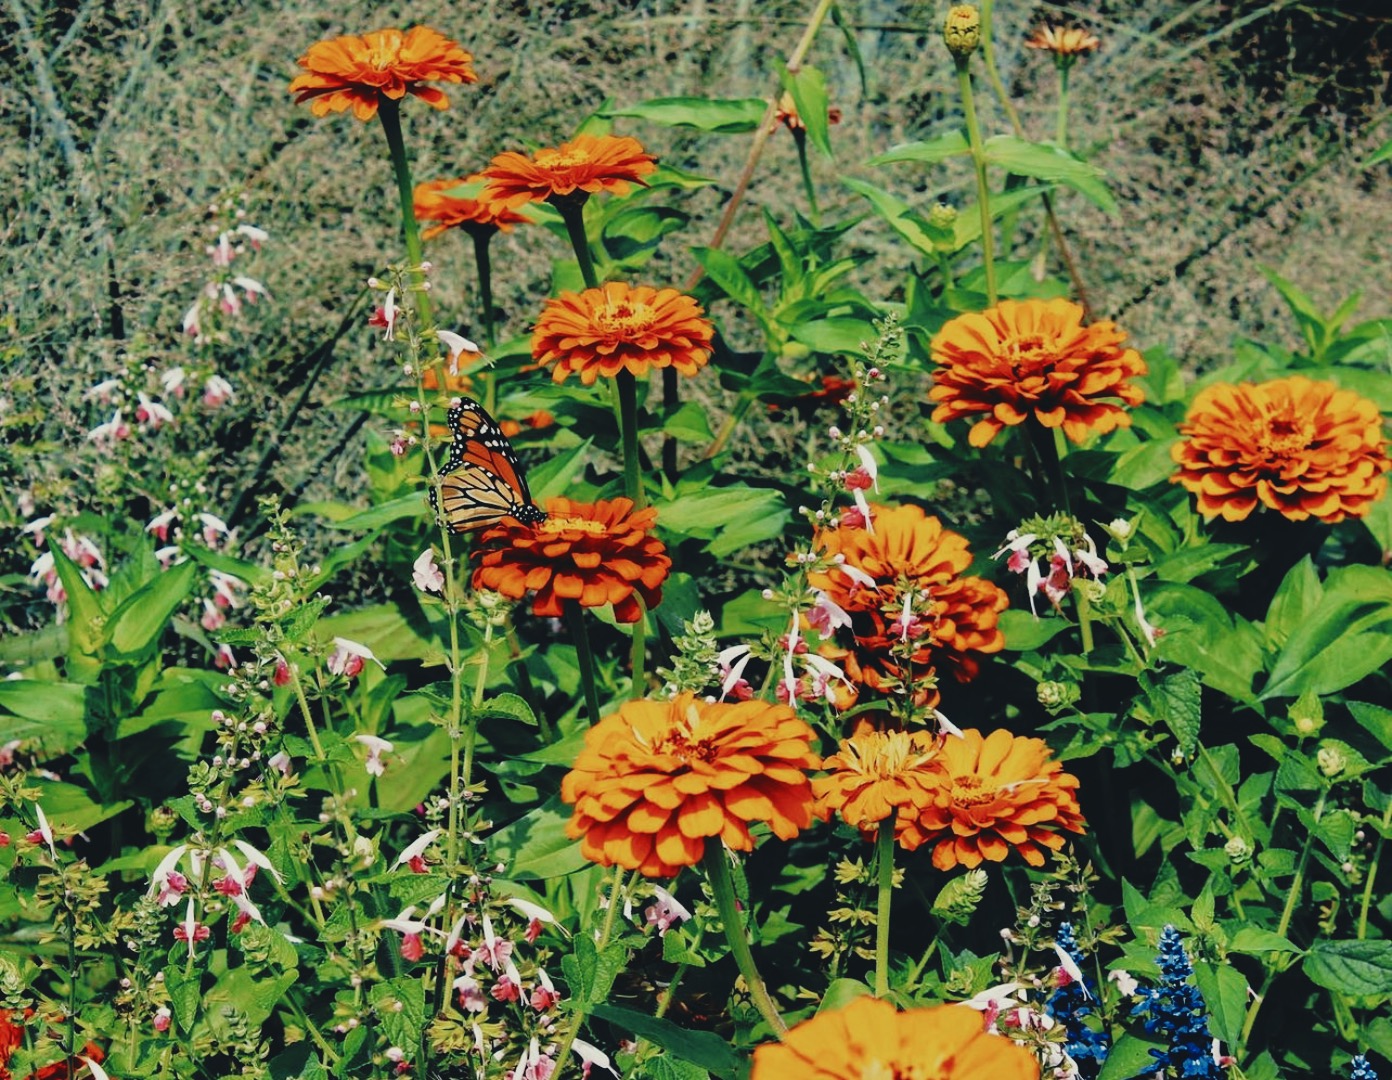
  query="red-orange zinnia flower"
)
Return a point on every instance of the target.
[
  {"x": 352, "y": 72},
  {"x": 1033, "y": 358},
  {"x": 593, "y": 553},
  {"x": 995, "y": 793},
  {"x": 577, "y": 169},
  {"x": 658, "y": 779},
  {"x": 1069, "y": 43},
  {"x": 434, "y": 203},
  {"x": 871, "y": 1040},
  {"x": 876, "y": 775},
  {"x": 907, "y": 545},
  {"x": 618, "y": 327},
  {"x": 1303, "y": 448}
]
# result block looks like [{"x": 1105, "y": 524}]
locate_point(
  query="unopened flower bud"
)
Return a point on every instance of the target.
[
  {"x": 942, "y": 216},
  {"x": 1331, "y": 760},
  {"x": 1307, "y": 714},
  {"x": 1237, "y": 850},
  {"x": 962, "y": 30}
]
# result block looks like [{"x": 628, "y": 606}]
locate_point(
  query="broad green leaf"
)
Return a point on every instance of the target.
[
  {"x": 1375, "y": 720},
  {"x": 1024, "y": 631},
  {"x": 1348, "y": 635},
  {"x": 1254, "y": 941},
  {"x": 724, "y": 116},
  {"x": 1051, "y": 163},
  {"x": 59, "y": 704},
  {"x": 86, "y": 620},
  {"x": 1129, "y": 1057},
  {"x": 553, "y": 477},
  {"x": 848, "y": 336},
  {"x": 1200, "y": 634},
  {"x": 1188, "y": 563},
  {"x": 382, "y": 629},
  {"x": 140, "y": 620},
  {"x": 590, "y": 972},
  {"x": 338, "y": 516},
  {"x": 672, "y": 1068},
  {"x": 1381, "y": 154},
  {"x": 808, "y": 90},
  {"x": 1307, "y": 316},
  {"x": 184, "y": 994},
  {"x": 536, "y": 844},
  {"x": 1225, "y": 993},
  {"x": 704, "y": 1048},
  {"x": 967, "y": 228},
  {"x": 507, "y": 706},
  {"x": 1298, "y": 595},
  {"x": 1144, "y": 465},
  {"x": 1351, "y": 967},
  {"x": 689, "y": 424},
  {"x": 1175, "y": 701},
  {"x": 902, "y": 218},
  {"x": 399, "y": 1006},
  {"x": 726, "y": 272},
  {"x": 949, "y": 145}
]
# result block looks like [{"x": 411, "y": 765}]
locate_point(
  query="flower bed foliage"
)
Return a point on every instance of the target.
[{"x": 1033, "y": 724}]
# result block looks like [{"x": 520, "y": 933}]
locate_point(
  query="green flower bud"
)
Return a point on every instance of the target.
[
  {"x": 1331, "y": 760},
  {"x": 962, "y": 30},
  {"x": 1307, "y": 714},
  {"x": 1237, "y": 850},
  {"x": 959, "y": 897},
  {"x": 942, "y": 216},
  {"x": 1051, "y": 694}
]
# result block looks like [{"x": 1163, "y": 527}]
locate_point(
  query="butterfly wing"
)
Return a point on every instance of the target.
[{"x": 483, "y": 481}]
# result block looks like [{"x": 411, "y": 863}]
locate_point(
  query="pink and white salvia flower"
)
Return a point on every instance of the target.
[
  {"x": 1070, "y": 968},
  {"x": 471, "y": 997},
  {"x": 254, "y": 289},
  {"x": 348, "y": 658},
  {"x": 169, "y": 555},
  {"x": 666, "y": 913},
  {"x": 495, "y": 951},
  {"x": 456, "y": 345},
  {"x": 256, "y": 236},
  {"x": 94, "y": 1067},
  {"x": 822, "y": 673},
  {"x": 192, "y": 322},
  {"x": 214, "y": 529},
  {"x": 426, "y": 576},
  {"x": 227, "y": 589},
  {"x": 44, "y": 833},
  {"x": 826, "y": 616},
  {"x": 161, "y": 1019},
  {"x": 104, "y": 392},
  {"x": 385, "y": 316},
  {"x": 152, "y": 414},
  {"x": 191, "y": 930},
  {"x": 160, "y": 525},
  {"x": 230, "y": 303},
  {"x": 376, "y": 747},
  {"x": 222, "y": 252},
  {"x": 256, "y": 860},
  {"x": 535, "y": 914},
  {"x": 946, "y": 726},
  {"x": 213, "y": 617},
  {"x": 732, "y": 662},
  {"x": 35, "y": 529},
  {"x": 224, "y": 658},
  {"x": 217, "y": 392},
  {"x": 172, "y": 381},
  {"x": 508, "y": 986},
  {"x": 789, "y": 686},
  {"x": 114, "y": 430},
  {"x": 1152, "y": 633},
  {"x": 544, "y": 994},
  {"x": 414, "y": 852},
  {"x": 590, "y": 1056}
]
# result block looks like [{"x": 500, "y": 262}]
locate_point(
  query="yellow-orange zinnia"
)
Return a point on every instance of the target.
[
  {"x": 1033, "y": 358},
  {"x": 592, "y": 553},
  {"x": 1301, "y": 447},
  {"x": 657, "y": 780},
  {"x": 871, "y": 1040},
  {"x": 876, "y": 775},
  {"x": 352, "y": 72},
  {"x": 618, "y": 327},
  {"x": 577, "y": 169},
  {"x": 906, "y": 545},
  {"x": 995, "y": 793},
  {"x": 434, "y": 203}
]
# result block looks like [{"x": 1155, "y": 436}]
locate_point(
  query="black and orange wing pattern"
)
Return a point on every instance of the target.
[{"x": 482, "y": 481}]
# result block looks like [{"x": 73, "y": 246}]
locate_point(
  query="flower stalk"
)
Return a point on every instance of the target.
[
  {"x": 884, "y": 864},
  {"x": 978, "y": 153},
  {"x": 389, "y": 112},
  {"x": 723, "y": 887},
  {"x": 575, "y": 615}
]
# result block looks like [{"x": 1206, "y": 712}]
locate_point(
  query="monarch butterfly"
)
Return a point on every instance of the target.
[{"x": 482, "y": 482}]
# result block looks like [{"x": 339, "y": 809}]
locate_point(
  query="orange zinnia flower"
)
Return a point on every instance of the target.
[
  {"x": 352, "y": 72},
  {"x": 621, "y": 328},
  {"x": 995, "y": 793},
  {"x": 433, "y": 202},
  {"x": 1303, "y": 448},
  {"x": 658, "y": 779},
  {"x": 906, "y": 546},
  {"x": 576, "y": 169},
  {"x": 593, "y": 553},
  {"x": 876, "y": 775},
  {"x": 1033, "y": 358},
  {"x": 1064, "y": 43},
  {"x": 871, "y": 1040}
]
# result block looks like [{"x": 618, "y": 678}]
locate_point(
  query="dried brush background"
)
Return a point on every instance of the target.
[{"x": 1233, "y": 133}]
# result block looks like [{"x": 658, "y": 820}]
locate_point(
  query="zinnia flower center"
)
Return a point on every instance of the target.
[
  {"x": 967, "y": 791},
  {"x": 562, "y": 524},
  {"x": 681, "y": 740},
  {"x": 624, "y": 321},
  {"x": 884, "y": 755},
  {"x": 385, "y": 53},
  {"x": 885, "y": 1070},
  {"x": 1285, "y": 436},
  {"x": 1030, "y": 355},
  {"x": 552, "y": 158}
]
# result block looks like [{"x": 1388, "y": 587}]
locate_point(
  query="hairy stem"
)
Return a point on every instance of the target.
[
  {"x": 723, "y": 887},
  {"x": 884, "y": 864}
]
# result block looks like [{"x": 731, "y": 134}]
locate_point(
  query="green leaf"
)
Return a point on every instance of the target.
[
  {"x": 554, "y": 476},
  {"x": 1176, "y": 702},
  {"x": 1375, "y": 720},
  {"x": 948, "y": 145},
  {"x": 1129, "y": 1057},
  {"x": 536, "y": 844},
  {"x": 726, "y": 272},
  {"x": 338, "y": 516},
  {"x": 836, "y": 335},
  {"x": 665, "y": 1068},
  {"x": 86, "y": 619},
  {"x": 61, "y": 705},
  {"x": 1051, "y": 163},
  {"x": 1381, "y": 154},
  {"x": 1348, "y": 635},
  {"x": 1361, "y": 968},
  {"x": 1254, "y": 941},
  {"x": 1298, "y": 595},
  {"x": 1225, "y": 993},
  {"x": 902, "y": 218},
  {"x": 1189, "y": 563},
  {"x": 590, "y": 972},
  {"x": 704, "y": 1048},
  {"x": 400, "y": 1008},
  {"x": 508, "y": 706},
  {"x": 1024, "y": 631},
  {"x": 808, "y": 90},
  {"x": 689, "y": 424},
  {"x": 1144, "y": 465},
  {"x": 184, "y": 994},
  {"x": 146, "y": 612},
  {"x": 722, "y": 116}
]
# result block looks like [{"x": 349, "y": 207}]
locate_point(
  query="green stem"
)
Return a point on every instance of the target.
[
  {"x": 742, "y": 404},
  {"x": 1084, "y": 620},
  {"x": 813, "y": 213},
  {"x": 1287, "y": 912},
  {"x": 628, "y": 423},
  {"x": 573, "y": 214},
  {"x": 1372, "y": 874},
  {"x": 389, "y": 112},
  {"x": 723, "y": 888},
  {"x": 471, "y": 726},
  {"x": 575, "y": 615},
  {"x": 638, "y": 649},
  {"x": 983, "y": 194},
  {"x": 1061, "y": 130},
  {"x": 582, "y": 1009},
  {"x": 884, "y": 863}
]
